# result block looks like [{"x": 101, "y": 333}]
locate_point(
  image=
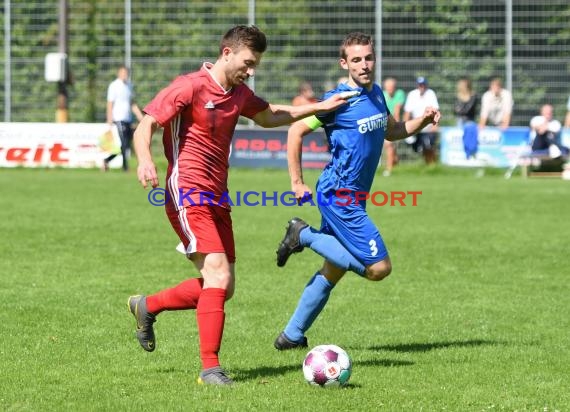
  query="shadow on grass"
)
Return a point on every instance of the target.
[
  {"x": 265, "y": 371},
  {"x": 426, "y": 347},
  {"x": 385, "y": 363},
  {"x": 262, "y": 372}
]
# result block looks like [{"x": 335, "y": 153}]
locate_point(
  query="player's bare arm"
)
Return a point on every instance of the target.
[
  {"x": 297, "y": 131},
  {"x": 280, "y": 115},
  {"x": 401, "y": 130},
  {"x": 137, "y": 111},
  {"x": 146, "y": 170}
]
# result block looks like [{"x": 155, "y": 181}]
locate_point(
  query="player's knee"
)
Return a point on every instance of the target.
[
  {"x": 221, "y": 280},
  {"x": 379, "y": 271},
  {"x": 217, "y": 272}
]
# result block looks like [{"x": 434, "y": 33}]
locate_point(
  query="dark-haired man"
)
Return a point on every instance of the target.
[{"x": 199, "y": 112}]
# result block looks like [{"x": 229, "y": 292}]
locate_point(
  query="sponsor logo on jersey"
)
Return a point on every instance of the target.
[
  {"x": 369, "y": 124},
  {"x": 354, "y": 102},
  {"x": 209, "y": 105}
]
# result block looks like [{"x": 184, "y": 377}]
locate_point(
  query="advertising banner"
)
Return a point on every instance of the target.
[
  {"x": 497, "y": 147},
  {"x": 268, "y": 148},
  {"x": 80, "y": 145},
  {"x": 85, "y": 145}
]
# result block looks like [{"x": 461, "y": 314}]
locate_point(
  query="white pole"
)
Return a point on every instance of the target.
[
  {"x": 509, "y": 45},
  {"x": 251, "y": 21},
  {"x": 7, "y": 63},
  {"x": 128, "y": 34},
  {"x": 378, "y": 41}
]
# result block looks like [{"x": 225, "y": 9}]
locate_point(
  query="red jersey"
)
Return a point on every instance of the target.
[{"x": 199, "y": 118}]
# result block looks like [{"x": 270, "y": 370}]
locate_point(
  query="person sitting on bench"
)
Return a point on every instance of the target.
[{"x": 545, "y": 133}]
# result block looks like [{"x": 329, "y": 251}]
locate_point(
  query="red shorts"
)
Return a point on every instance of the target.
[{"x": 203, "y": 229}]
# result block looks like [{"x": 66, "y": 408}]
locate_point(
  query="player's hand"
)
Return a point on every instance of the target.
[
  {"x": 303, "y": 193},
  {"x": 431, "y": 115},
  {"x": 335, "y": 101},
  {"x": 146, "y": 173}
]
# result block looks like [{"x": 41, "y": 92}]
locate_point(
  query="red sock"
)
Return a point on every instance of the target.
[
  {"x": 211, "y": 316},
  {"x": 180, "y": 297}
]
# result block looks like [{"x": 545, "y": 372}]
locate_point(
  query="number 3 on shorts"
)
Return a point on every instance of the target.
[{"x": 373, "y": 248}]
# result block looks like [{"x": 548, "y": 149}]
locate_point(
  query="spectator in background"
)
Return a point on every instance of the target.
[
  {"x": 306, "y": 95},
  {"x": 567, "y": 120},
  {"x": 395, "y": 99},
  {"x": 120, "y": 108},
  {"x": 496, "y": 106},
  {"x": 416, "y": 103},
  {"x": 465, "y": 108},
  {"x": 545, "y": 133}
]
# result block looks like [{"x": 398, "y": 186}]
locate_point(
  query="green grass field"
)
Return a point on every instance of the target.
[{"x": 475, "y": 316}]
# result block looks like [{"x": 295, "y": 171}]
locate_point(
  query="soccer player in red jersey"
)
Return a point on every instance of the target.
[{"x": 199, "y": 112}]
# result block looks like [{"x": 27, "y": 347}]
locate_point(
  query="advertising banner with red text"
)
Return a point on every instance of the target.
[
  {"x": 80, "y": 145},
  {"x": 268, "y": 148}
]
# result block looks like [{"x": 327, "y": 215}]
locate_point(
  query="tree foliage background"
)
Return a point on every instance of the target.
[{"x": 440, "y": 39}]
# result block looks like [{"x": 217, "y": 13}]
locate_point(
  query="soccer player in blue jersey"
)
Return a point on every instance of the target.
[{"x": 347, "y": 239}]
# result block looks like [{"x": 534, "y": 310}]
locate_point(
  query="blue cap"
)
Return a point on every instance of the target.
[{"x": 421, "y": 80}]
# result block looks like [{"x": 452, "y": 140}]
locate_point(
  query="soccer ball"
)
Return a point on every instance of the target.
[{"x": 327, "y": 365}]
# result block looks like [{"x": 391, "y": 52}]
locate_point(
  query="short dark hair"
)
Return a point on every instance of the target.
[
  {"x": 249, "y": 36},
  {"x": 352, "y": 39}
]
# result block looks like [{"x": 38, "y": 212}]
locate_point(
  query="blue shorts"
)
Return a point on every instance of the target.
[{"x": 353, "y": 228}]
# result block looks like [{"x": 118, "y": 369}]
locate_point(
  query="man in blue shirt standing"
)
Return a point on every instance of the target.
[{"x": 347, "y": 239}]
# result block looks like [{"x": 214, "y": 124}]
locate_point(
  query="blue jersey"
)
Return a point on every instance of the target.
[{"x": 355, "y": 133}]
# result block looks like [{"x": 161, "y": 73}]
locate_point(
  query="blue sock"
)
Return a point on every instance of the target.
[
  {"x": 312, "y": 302},
  {"x": 331, "y": 249}
]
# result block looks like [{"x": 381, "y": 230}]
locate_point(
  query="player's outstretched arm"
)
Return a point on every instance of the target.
[
  {"x": 146, "y": 170},
  {"x": 297, "y": 131},
  {"x": 280, "y": 115},
  {"x": 137, "y": 111},
  {"x": 401, "y": 130}
]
